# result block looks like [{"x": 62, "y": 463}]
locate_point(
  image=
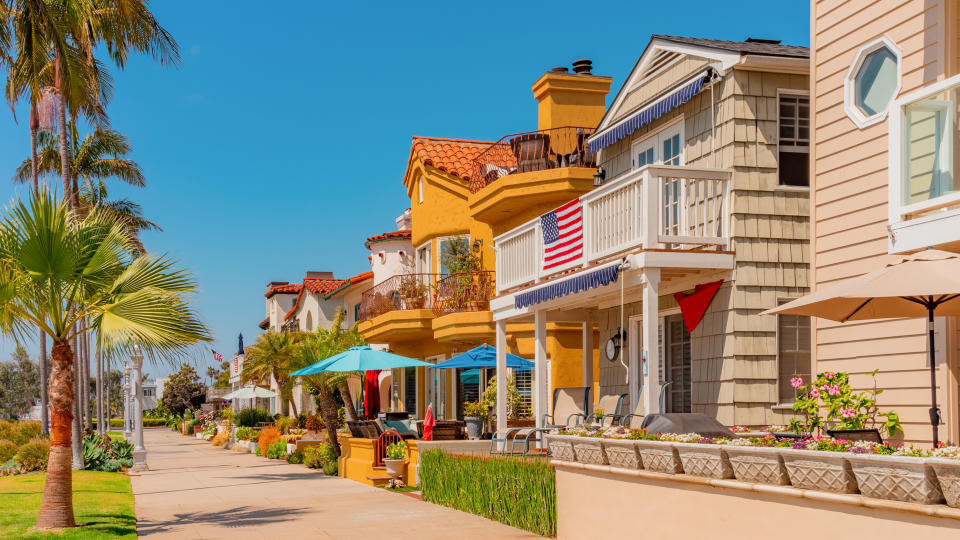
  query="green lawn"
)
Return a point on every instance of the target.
[
  {"x": 102, "y": 504},
  {"x": 115, "y": 434}
]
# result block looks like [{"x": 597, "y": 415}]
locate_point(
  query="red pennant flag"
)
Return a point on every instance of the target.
[{"x": 694, "y": 306}]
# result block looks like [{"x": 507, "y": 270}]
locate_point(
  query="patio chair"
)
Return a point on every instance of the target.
[
  {"x": 634, "y": 420},
  {"x": 570, "y": 405},
  {"x": 365, "y": 429},
  {"x": 532, "y": 151},
  {"x": 612, "y": 405}
]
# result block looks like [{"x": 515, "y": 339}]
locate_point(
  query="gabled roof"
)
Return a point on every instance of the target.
[
  {"x": 349, "y": 282},
  {"x": 765, "y": 47},
  {"x": 288, "y": 288},
  {"x": 264, "y": 323},
  {"x": 318, "y": 286},
  {"x": 393, "y": 235},
  {"x": 454, "y": 156}
]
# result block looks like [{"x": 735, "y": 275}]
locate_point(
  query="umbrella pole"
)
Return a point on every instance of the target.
[{"x": 934, "y": 410}]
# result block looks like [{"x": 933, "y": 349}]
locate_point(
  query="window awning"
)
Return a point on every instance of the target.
[
  {"x": 648, "y": 114},
  {"x": 573, "y": 284}
]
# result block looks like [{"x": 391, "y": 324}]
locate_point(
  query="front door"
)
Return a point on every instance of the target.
[
  {"x": 677, "y": 365},
  {"x": 436, "y": 389}
]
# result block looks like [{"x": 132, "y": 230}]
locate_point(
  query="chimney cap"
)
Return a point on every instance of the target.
[
  {"x": 319, "y": 275},
  {"x": 583, "y": 66},
  {"x": 559, "y": 69}
]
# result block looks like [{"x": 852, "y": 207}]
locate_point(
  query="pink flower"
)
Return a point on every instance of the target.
[
  {"x": 834, "y": 390},
  {"x": 824, "y": 386},
  {"x": 828, "y": 375},
  {"x": 814, "y": 393},
  {"x": 796, "y": 382},
  {"x": 848, "y": 413}
]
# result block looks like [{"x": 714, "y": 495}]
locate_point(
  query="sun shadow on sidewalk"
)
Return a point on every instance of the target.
[{"x": 241, "y": 516}]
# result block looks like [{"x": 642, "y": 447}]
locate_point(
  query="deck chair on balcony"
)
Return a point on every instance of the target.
[
  {"x": 532, "y": 151},
  {"x": 635, "y": 419},
  {"x": 612, "y": 405}
]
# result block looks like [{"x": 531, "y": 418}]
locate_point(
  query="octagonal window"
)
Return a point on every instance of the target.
[{"x": 876, "y": 81}]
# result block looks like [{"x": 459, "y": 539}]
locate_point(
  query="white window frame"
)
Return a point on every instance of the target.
[
  {"x": 439, "y": 414},
  {"x": 439, "y": 254},
  {"x": 657, "y": 137},
  {"x": 792, "y": 92},
  {"x": 935, "y": 228},
  {"x": 420, "y": 189},
  {"x": 781, "y": 402},
  {"x": 849, "y": 82},
  {"x": 418, "y": 267}
]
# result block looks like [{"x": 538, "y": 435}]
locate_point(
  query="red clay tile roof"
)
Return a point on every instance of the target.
[
  {"x": 289, "y": 288},
  {"x": 318, "y": 286},
  {"x": 264, "y": 323},
  {"x": 454, "y": 156},
  {"x": 359, "y": 278},
  {"x": 404, "y": 233}
]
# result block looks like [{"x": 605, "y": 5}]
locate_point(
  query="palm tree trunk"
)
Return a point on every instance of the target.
[
  {"x": 56, "y": 509},
  {"x": 43, "y": 363},
  {"x": 100, "y": 423},
  {"x": 328, "y": 410},
  {"x": 109, "y": 409},
  {"x": 64, "y": 151},
  {"x": 87, "y": 405},
  {"x": 76, "y": 439},
  {"x": 350, "y": 411}
]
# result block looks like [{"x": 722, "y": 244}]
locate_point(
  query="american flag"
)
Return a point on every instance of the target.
[
  {"x": 562, "y": 235},
  {"x": 217, "y": 357}
]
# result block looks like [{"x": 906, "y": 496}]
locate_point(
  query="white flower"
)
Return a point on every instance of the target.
[
  {"x": 949, "y": 452},
  {"x": 740, "y": 442}
]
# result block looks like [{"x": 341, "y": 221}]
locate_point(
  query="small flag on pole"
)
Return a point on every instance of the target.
[
  {"x": 562, "y": 235},
  {"x": 217, "y": 356}
]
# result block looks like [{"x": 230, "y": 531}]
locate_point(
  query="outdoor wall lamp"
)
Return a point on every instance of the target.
[
  {"x": 478, "y": 243},
  {"x": 599, "y": 176}
]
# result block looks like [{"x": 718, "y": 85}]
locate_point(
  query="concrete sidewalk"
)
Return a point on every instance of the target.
[{"x": 196, "y": 490}]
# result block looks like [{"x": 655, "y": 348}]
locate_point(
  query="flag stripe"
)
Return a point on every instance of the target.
[{"x": 562, "y": 231}]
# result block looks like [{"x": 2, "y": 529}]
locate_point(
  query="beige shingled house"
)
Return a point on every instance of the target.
[{"x": 704, "y": 178}]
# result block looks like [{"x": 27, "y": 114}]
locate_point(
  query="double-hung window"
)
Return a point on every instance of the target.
[
  {"x": 794, "y": 140},
  {"x": 793, "y": 354}
]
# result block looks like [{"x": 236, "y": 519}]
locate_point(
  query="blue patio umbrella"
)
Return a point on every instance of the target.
[
  {"x": 361, "y": 358},
  {"x": 483, "y": 356},
  {"x": 471, "y": 376}
]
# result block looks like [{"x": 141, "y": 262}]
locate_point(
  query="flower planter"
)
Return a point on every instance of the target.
[
  {"x": 291, "y": 448},
  {"x": 394, "y": 467},
  {"x": 757, "y": 464},
  {"x": 622, "y": 453},
  {"x": 896, "y": 478},
  {"x": 815, "y": 469},
  {"x": 948, "y": 474},
  {"x": 561, "y": 447},
  {"x": 589, "y": 450},
  {"x": 707, "y": 460},
  {"x": 474, "y": 426},
  {"x": 659, "y": 456}
]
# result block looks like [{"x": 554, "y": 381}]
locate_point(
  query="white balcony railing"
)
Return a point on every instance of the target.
[
  {"x": 655, "y": 207},
  {"x": 923, "y": 169}
]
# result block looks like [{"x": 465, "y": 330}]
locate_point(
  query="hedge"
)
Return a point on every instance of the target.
[
  {"x": 147, "y": 422},
  {"x": 519, "y": 492}
]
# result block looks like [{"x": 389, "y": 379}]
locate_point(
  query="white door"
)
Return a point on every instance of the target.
[
  {"x": 436, "y": 388},
  {"x": 671, "y": 153}
]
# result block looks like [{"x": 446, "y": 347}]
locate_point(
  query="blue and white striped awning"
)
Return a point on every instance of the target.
[
  {"x": 648, "y": 114},
  {"x": 574, "y": 284}
]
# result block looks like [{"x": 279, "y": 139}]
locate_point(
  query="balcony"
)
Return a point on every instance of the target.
[
  {"x": 399, "y": 308},
  {"x": 462, "y": 307},
  {"x": 924, "y": 172},
  {"x": 554, "y": 164},
  {"x": 667, "y": 208}
]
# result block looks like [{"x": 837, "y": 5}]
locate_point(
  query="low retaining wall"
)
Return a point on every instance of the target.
[
  {"x": 357, "y": 457},
  {"x": 597, "y": 501}
]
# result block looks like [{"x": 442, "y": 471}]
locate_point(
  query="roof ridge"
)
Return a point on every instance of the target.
[{"x": 448, "y": 139}]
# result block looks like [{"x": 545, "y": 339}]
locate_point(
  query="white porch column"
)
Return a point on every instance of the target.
[
  {"x": 501, "y": 341},
  {"x": 651, "y": 315},
  {"x": 587, "y": 344},
  {"x": 540, "y": 369}
]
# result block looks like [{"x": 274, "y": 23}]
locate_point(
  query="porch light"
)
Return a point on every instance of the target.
[{"x": 599, "y": 176}]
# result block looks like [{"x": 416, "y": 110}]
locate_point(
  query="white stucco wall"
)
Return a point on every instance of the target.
[
  {"x": 397, "y": 258},
  {"x": 277, "y": 307}
]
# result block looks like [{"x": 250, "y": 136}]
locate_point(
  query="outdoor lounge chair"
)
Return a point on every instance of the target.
[
  {"x": 612, "y": 405},
  {"x": 532, "y": 151},
  {"x": 570, "y": 405},
  {"x": 365, "y": 429},
  {"x": 634, "y": 420}
]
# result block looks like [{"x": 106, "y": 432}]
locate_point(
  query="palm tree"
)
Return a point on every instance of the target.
[
  {"x": 56, "y": 272},
  {"x": 212, "y": 374},
  {"x": 319, "y": 346},
  {"x": 272, "y": 355}
]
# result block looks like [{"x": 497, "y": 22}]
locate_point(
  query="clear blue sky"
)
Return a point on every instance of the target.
[{"x": 281, "y": 141}]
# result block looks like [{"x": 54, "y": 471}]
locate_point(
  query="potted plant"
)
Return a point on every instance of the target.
[
  {"x": 475, "y": 414},
  {"x": 894, "y": 473},
  {"x": 396, "y": 456},
  {"x": 413, "y": 291},
  {"x": 819, "y": 463},
  {"x": 619, "y": 445},
  {"x": 946, "y": 463},
  {"x": 598, "y": 414},
  {"x": 659, "y": 455},
  {"x": 758, "y": 459},
  {"x": 699, "y": 456}
]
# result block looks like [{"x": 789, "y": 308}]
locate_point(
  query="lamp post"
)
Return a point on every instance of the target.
[
  {"x": 126, "y": 403},
  {"x": 139, "y": 452}
]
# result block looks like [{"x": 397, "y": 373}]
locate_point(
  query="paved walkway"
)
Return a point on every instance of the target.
[{"x": 196, "y": 490}]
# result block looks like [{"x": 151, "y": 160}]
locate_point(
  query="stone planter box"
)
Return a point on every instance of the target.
[
  {"x": 896, "y": 478},
  {"x": 659, "y": 456},
  {"x": 291, "y": 448},
  {"x": 948, "y": 475},
  {"x": 589, "y": 450},
  {"x": 622, "y": 453},
  {"x": 758, "y": 464},
  {"x": 706, "y": 460},
  {"x": 815, "y": 469},
  {"x": 561, "y": 447}
]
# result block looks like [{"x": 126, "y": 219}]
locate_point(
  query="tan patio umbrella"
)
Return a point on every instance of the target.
[{"x": 920, "y": 285}]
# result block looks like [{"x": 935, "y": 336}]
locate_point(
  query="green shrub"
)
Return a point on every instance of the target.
[
  {"x": 252, "y": 417},
  {"x": 330, "y": 468},
  {"x": 19, "y": 432},
  {"x": 327, "y": 453},
  {"x": 122, "y": 450},
  {"x": 295, "y": 458},
  {"x": 277, "y": 450},
  {"x": 284, "y": 423},
  {"x": 33, "y": 455},
  {"x": 313, "y": 423},
  {"x": 7, "y": 451},
  {"x": 521, "y": 493},
  {"x": 246, "y": 433},
  {"x": 93, "y": 453},
  {"x": 111, "y": 465},
  {"x": 311, "y": 457}
]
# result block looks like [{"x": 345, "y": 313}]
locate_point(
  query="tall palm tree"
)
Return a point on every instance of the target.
[
  {"x": 56, "y": 272},
  {"x": 321, "y": 345},
  {"x": 272, "y": 356}
]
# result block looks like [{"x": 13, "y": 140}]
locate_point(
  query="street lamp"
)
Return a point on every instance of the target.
[
  {"x": 139, "y": 452},
  {"x": 126, "y": 403}
]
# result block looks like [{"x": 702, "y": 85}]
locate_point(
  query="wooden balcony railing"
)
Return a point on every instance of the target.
[
  {"x": 532, "y": 151},
  {"x": 655, "y": 207},
  {"x": 464, "y": 292}
]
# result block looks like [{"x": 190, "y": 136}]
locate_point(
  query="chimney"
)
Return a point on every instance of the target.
[
  {"x": 405, "y": 221},
  {"x": 575, "y": 99},
  {"x": 273, "y": 284},
  {"x": 319, "y": 275}
]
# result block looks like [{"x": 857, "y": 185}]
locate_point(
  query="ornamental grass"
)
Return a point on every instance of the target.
[
  {"x": 268, "y": 436},
  {"x": 521, "y": 493}
]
